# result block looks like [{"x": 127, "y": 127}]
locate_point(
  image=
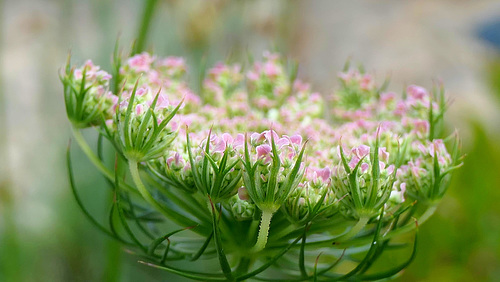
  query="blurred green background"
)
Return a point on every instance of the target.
[{"x": 43, "y": 235}]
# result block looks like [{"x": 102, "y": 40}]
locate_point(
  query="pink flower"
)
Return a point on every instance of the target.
[
  {"x": 175, "y": 161},
  {"x": 421, "y": 127},
  {"x": 354, "y": 162},
  {"x": 162, "y": 102},
  {"x": 364, "y": 167},
  {"x": 271, "y": 69},
  {"x": 367, "y": 82},
  {"x": 239, "y": 141},
  {"x": 417, "y": 92},
  {"x": 263, "y": 151},
  {"x": 271, "y": 56},
  {"x": 401, "y": 108},
  {"x": 296, "y": 139},
  {"x": 280, "y": 143},
  {"x": 257, "y": 137},
  {"x": 390, "y": 169},
  {"x": 228, "y": 139},
  {"x": 324, "y": 173},
  {"x": 243, "y": 194},
  {"x": 300, "y": 86},
  {"x": 220, "y": 145},
  {"x": 268, "y": 134},
  {"x": 361, "y": 151},
  {"x": 383, "y": 154},
  {"x": 139, "y": 109},
  {"x": 141, "y": 62},
  {"x": 173, "y": 62},
  {"x": 386, "y": 98},
  {"x": 252, "y": 76}
]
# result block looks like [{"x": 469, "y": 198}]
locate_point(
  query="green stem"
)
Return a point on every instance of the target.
[
  {"x": 95, "y": 159},
  {"x": 169, "y": 213},
  {"x": 391, "y": 234},
  {"x": 263, "y": 231},
  {"x": 430, "y": 211},
  {"x": 90, "y": 154},
  {"x": 285, "y": 231},
  {"x": 243, "y": 265},
  {"x": 179, "y": 198},
  {"x": 354, "y": 230},
  {"x": 147, "y": 17},
  {"x": 134, "y": 171}
]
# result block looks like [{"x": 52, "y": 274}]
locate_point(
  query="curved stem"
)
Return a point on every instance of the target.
[
  {"x": 95, "y": 159},
  {"x": 263, "y": 231},
  {"x": 171, "y": 214},
  {"x": 391, "y": 234},
  {"x": 430, "y": 211},
  {"x": 179, "y": 199},
  {"x": 285, "y": 231},
  {"x": 134, "y": 171},
  {"x": 90, "y": 154},
  {"x": 354, "y": 230}
]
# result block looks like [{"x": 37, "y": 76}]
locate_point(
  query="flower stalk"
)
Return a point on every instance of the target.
[{"x": 265, "y": 222}]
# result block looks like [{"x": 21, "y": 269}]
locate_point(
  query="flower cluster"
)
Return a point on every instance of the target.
[{"x": 263, "y": 147}]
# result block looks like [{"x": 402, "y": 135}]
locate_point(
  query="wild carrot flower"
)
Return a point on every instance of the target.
[{"x": 258, "y": 161}]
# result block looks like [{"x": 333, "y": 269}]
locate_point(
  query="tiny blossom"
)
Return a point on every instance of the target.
[{"x": 141, "y": 62}]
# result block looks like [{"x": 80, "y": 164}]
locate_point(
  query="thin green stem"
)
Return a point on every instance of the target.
[
  {"x": 95, "y": 159},
  {"x": 180, "y": 200},
  {"x": 90, "y": 154},
  {"x": 285, "y": 231},
  {"x": 430, "y": 211},
  {"x": 169, "y": 213},
  {"x": 391, "y": 234},
  {"x": 265, "y": 221},
  {"x": 134, "y": 171}
]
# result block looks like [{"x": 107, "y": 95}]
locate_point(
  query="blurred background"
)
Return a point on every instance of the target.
[{"x": 45, "y": 237}]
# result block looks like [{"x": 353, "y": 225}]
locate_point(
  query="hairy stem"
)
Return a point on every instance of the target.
[{"x": 263, "y": 231}]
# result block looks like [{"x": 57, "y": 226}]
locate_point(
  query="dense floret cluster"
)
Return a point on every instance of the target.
[{"x": 274, "y": 159}]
